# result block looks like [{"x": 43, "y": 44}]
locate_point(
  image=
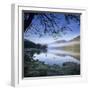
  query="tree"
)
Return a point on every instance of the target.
[{"x": 49, "y": 22}]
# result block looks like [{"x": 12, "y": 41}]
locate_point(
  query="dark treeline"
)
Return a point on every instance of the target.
[{"x": 30, "y": 44}]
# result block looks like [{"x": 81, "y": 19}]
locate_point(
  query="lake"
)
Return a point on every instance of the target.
[{"x": 53, "y": 56}]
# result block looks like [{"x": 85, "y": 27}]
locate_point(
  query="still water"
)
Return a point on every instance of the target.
[{"x": 55, "y": 57}]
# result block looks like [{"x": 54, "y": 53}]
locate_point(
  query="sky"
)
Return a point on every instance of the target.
[{"x": 46, "y": 39}]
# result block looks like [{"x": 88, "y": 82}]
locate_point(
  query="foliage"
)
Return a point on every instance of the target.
[
  {"x": 36, "y": 68},
  {"x": 50, "y": 22}
]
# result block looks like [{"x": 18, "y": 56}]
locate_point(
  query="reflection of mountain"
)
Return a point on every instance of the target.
[{"x": 72, "y": 46}]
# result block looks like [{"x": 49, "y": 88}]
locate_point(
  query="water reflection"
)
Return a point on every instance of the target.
[{"x": 55, "y": 57}]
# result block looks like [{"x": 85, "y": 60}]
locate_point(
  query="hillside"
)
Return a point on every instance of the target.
[
  {"x": 64, "y": 41},
  {"x": 30, "y": 44},
  {"x": 75, "y": 39},
  {"x": 72, "y": 46},
  {"x": 60, "y": 41}
]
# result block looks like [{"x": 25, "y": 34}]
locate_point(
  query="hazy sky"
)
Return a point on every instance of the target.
[{"x": 46, "y": 39}]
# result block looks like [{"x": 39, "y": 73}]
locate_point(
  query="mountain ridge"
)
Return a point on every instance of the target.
[{"x": 77, "y": 38}]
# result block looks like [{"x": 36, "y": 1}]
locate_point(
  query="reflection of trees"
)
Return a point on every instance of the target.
[
  {"x": 31, "y": 48},
  {"x": 49, "y": 22},
  {"x": 35, "y": 68}
]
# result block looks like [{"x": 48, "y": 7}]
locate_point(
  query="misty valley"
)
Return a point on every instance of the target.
[
  {"x": 51, "y": 43},
  {"x": 57, "y": 58}
]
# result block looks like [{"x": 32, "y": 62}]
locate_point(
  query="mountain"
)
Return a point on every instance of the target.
[
  {"x": 64, "y": 41},
  {"x": 75, "y": 39},
  {"x": 72, "y": 46},
  {"x": 59, "y": 41},
  {"x": 30, "y": 44}
]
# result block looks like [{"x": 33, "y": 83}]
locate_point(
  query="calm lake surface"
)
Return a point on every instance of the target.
[{"x": 53, "y": 56}]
